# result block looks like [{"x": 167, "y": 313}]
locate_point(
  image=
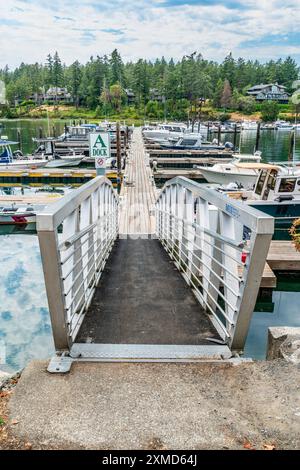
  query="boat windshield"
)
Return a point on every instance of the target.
[
  {"x": 287, "y": 185},
  {"x": 260, "y": 182},
  {"x": 270, "y": 186}
]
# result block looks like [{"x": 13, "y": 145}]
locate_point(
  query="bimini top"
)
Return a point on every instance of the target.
[
  {"x": 257, "y": 166},
  {"x": 8, "y": 142}
]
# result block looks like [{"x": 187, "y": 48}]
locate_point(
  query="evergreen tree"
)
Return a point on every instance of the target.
[
  {"x": 75, "y": 81},
  {"x": 116, "y": 69},
  {"x": 226, "y": 96},
  {"x": 57, "y": 74}
]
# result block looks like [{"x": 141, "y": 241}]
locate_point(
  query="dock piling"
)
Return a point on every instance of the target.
[{"x": 257, "y": 138}]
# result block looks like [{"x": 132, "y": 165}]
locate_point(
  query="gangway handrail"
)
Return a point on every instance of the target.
[
  {"x": 76, "y": 235},
  {"x": 206, "y": 233}
]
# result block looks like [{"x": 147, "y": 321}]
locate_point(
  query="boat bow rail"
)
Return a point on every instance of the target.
[
  {"x": 220, "y": 245},
  {"x": 76, "y": 235}
]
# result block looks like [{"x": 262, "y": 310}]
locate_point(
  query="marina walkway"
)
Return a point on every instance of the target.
[
  {"x": 142, "y": 297},
  {"x": 138, "y": 192}
]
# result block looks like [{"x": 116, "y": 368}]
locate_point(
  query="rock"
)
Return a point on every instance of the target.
[
  {"x": 284, "y": 342},
  {"x": 4, "y": 376}
]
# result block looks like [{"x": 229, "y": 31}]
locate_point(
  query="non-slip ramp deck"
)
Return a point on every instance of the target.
[{"x": 142, "y": 299}]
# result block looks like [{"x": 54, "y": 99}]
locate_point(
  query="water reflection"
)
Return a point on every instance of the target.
[
  {"x": 286, "y": 313},
  {"x": 25, "y": 329}
]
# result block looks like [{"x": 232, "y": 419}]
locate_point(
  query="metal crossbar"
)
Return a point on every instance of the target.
[{"x": 203, "y": 232}]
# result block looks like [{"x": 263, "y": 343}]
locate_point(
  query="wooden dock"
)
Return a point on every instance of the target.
[
  {"x": 138, "y": 192},
  {"x": 190, "y": 153},
  {"x": 283, "y": 256},
  {"x": 164, "y": 174},
  {"x": 50, "y": 175},
  {"x": 174, "y": 161},
  {"x": 42, "y": 199}
]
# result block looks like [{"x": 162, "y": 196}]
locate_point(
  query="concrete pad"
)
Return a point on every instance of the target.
[{"x": 159, "y": 406}]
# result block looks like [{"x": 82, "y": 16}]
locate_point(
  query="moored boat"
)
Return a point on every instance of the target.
[
  {"x": 242, "y": 170},
  {"x": 277, "y": 193},
  {"x": 15, "y": 160}
]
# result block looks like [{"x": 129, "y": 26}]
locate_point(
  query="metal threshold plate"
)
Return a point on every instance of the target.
[{"x": 148, "y": 352}]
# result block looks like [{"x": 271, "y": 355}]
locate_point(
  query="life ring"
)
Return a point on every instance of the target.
[{"x": 295, "y": 233}]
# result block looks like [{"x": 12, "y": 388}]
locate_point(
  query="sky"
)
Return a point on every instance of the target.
[{"x": 77, "y": 29}]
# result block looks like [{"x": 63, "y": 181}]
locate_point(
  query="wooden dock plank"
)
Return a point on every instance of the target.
[
  {"x": 138, "y": 193},
  {"x": 283, "y": 256}
]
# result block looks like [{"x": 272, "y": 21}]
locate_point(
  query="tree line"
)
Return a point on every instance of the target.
[{"x": 103, "y": 82}]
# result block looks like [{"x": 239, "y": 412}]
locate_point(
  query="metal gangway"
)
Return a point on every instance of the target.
[{"x": 183, "y": 293}]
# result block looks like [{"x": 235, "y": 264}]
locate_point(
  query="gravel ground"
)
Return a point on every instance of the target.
[{"x": 158, "y": 406}]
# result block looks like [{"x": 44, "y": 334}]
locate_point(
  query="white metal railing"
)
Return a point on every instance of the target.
[
  {"x": 76, "y": 235},
  {"x": 220, "y": 245}
]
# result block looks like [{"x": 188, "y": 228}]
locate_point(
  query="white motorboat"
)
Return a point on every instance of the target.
[
  {"x": 64, "y": 161},
  {"x": 10, "y": 160},
  {"x": 195, "y": 141},
  {"x": 276, "y": 192},
  {"x": 249, "y": 125},
  {"x": 242, "y": 170},
  {"x": 164, "y": 132},
  {"x": 19, "y": 214},
  {"x": 283, "y": 126}
]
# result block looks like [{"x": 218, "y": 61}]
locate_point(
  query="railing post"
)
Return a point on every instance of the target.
[
  {"x": 180, "y": 212},
  {"x": 228, "y": 230},
  {"x": 189, "y": 217},
  {"x": 251, "y": 283},
  {"x": 54, "y": 287},
  {"x": 173, "y": 219}
]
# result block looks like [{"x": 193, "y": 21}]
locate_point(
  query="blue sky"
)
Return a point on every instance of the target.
[{"x": 265, "y": 29}]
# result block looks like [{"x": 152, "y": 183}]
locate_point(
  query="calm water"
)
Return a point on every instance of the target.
[
  {"x": 25, "y": 330},
  {"x": 30, "y": 130}
]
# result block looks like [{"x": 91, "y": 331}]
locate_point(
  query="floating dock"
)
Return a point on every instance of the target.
[
  {"x": 189, "y": 153},
  {"x": 53, "y": 175}
]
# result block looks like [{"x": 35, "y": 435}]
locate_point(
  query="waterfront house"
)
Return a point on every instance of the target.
[
  {"x": 269, "y": 92},
  {"x": 155, "y": 95},
  {"x": 57, "y": 94},
  {"x": 130, "y": 97}
]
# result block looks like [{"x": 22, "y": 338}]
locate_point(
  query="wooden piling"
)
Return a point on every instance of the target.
[
  {"x": 235, "y": 137},
  {"x": 257, "y": 138},
  {"x": 40, "y": 132},
  {"x": 219, "y": 134},
  {"x": 19, "y": 140},
  {"x": 291, "y": 146},
  {"x": 208, "y": 130}
]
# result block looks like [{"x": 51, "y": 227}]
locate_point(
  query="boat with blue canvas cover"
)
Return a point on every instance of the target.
[{"x": 15, "y": 160}]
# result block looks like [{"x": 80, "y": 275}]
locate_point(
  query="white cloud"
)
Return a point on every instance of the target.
[{"x": 79, "y": 29}]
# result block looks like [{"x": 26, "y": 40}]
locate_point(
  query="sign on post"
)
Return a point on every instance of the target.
[{"x": 100, "y": 150}]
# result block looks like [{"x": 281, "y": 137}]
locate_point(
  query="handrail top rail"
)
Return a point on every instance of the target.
[
  {"x": 254, "y": 219},
  {"x": 53, "y": 214}
]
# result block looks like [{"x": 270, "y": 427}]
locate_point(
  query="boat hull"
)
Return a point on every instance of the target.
[
  {"x": 247, "y": 180},
  {"x": 283, "y": 213},
  {"x": 25, "y": 165}
]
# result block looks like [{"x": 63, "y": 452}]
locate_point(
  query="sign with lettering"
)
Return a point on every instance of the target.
[{"x": 100, "y": 148}]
